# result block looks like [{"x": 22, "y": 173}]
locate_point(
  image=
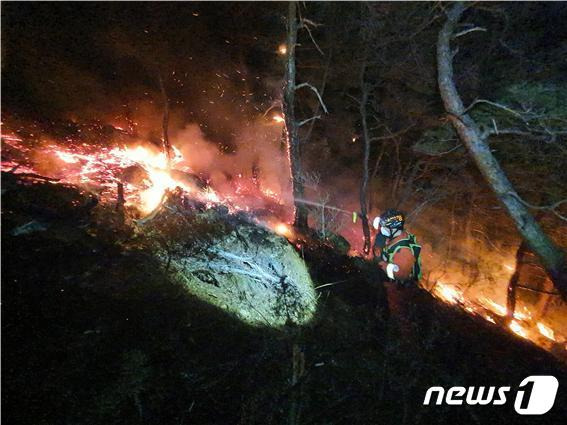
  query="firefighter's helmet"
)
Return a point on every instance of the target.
[{"x": 393, "y": 220}]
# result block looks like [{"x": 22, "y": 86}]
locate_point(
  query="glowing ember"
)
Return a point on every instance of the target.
[
  {"x": 103, "y": 167},
  {"x": 502, "y": 311},
  {"x": 282, "y": 49},
  {"x": 142, "y": 170},
  {"x": 282, "y": 229},
  {"x": 546, "y": 331},
  {"x": 448, "y": 293},
  {"x": 278, "y": 118},
  {"x": 518, "y": 329},
  {"x": 67, "y": 157},
  {"x": 494, "y": 307}
]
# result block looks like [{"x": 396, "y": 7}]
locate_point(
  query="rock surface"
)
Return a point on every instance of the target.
[{"x": 241, "y": 267}]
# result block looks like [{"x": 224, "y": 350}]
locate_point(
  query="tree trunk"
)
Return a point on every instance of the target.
[
  {"x": 364, "y": 180},
  {"x": 514, "y": 280},
  {"x": 292, "y": 127},
  {"x": 550, "y": 255},
  {"x": 165, "y": 122},
  {"x": 540, "y": 309}
]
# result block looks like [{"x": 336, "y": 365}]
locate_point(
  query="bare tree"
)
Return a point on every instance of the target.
[
  {"x": 366, "y": 156},
  {"x": 292, "y": 125},
  {"x": 476, "y": 142}
]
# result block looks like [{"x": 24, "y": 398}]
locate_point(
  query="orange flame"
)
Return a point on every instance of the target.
[
  {"x": 283, "y": 229},
  {"x": 546, "y": 331},
  {"x": 448, "y": 293}
]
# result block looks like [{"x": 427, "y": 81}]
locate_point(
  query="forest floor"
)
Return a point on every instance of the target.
[{"x": 94, "y": 333}]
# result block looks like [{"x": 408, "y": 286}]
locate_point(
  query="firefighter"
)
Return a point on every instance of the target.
[
  {"x": 399, "y": 256},
  {"x": 397, "y": 249}
]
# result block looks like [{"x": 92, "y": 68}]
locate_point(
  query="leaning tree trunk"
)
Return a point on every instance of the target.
[
  {"x": 292, "y": 127},
  {"x": 551, "y": 256}
]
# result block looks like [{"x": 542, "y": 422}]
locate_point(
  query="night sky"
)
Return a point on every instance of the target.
[{"x": 92, "y": 59}]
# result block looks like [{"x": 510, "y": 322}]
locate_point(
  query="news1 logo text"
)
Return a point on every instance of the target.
[{"x": 534, "y": 396}]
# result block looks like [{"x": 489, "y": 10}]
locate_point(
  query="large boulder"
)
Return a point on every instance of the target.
[{"x": 236, "y": 264}]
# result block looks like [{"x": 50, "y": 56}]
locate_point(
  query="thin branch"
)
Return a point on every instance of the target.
[
  {"x": 299, "y": 86},
  {"x": 392, "y": 135},
  {"x": 333, "y": 283},
  {"x": 534, "y": 290},
  {"x": 459, "y": 34},
  {"x": 307, "y": 135},
  {"x": 305, "y": 24},
  {"x": 545, "y": 135},
  {"x": 354, "y": 98},
  {"x": 32, "y": 175},
  {"x": 276, "y": 104},
  {"x": 316, "y": 117},
  {"x": 444, "y": 153},
  {"x": 496, "y": 105},
  {"x": 552, "y": 208}
]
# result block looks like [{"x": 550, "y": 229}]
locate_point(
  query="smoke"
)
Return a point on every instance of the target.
[{"x": 256, "y": 163}]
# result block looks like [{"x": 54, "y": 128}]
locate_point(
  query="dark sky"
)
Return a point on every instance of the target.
[{"x": 92, "y": 58}]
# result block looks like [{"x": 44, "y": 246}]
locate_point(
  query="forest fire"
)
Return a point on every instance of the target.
[
  {"x": 284, "y": 212},
  {"x": 522, "y": 324},
  {"x": 102, "y": 168},
  {"x": 147, "y": 177},
  {"x": 141, "y": 168}
]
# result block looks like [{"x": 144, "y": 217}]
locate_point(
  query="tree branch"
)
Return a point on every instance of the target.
[
  {"x": 444, "y": 153},
  {"x": 305, "y": 24},
  {"x": 528, "y": 288},
  {"x": 392, "y": 135},
  {"x": 354, "y": 98},
  {"x": 299, "y": 86},
  {"x": 459, "y": 34},
  {"x": 552, "y": 208},
  {"x": 316, "y": 117},
  {"x": 496, "y": 105}
]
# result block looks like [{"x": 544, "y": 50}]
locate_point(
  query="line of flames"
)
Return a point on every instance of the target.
[{"x": 522, "y": 324}]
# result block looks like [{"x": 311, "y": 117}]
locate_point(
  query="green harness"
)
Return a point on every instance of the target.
[{"x": 411, "y": 243}]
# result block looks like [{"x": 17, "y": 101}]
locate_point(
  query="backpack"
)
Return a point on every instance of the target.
[{"x": 411, "y": 243}]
